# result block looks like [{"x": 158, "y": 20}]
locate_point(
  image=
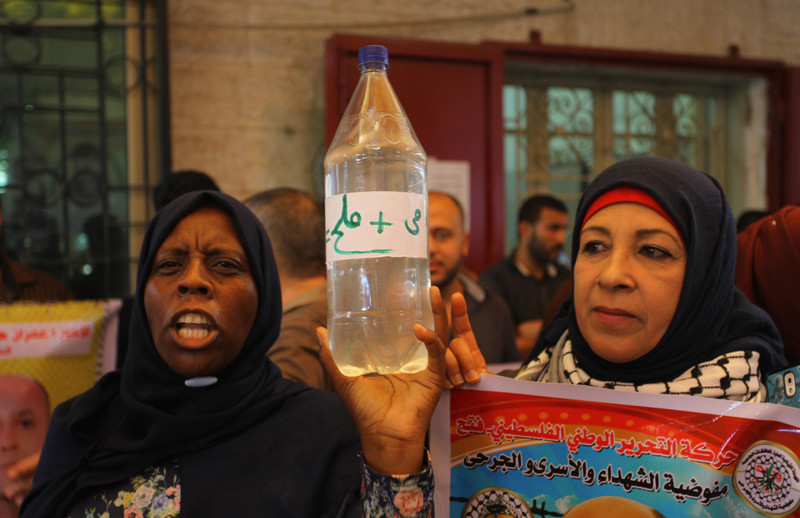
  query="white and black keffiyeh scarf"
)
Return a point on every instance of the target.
[{"x": 732, "y": 375}]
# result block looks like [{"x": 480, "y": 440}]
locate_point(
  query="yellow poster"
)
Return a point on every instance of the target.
[{"x": 65, "y": 346}]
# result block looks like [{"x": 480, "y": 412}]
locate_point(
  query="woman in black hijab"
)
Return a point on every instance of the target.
[
  {"x": 654, "y": 307},
  {"x": 198, "y": 422}
]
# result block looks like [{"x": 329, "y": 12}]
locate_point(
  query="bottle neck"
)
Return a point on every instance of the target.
[{"x": 373, "y": 66}]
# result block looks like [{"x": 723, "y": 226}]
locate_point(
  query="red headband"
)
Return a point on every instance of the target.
[{"x": 627, "y": 194}]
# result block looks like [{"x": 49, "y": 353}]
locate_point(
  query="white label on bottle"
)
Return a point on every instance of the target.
[{"x": 363, "y": 225}]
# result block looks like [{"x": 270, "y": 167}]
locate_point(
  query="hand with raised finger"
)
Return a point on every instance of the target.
[
  {"x": 464, "y": 359},
  {"x": 440, "y": 320}
]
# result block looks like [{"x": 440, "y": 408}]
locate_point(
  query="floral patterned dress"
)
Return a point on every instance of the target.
[
  {"x": 156, "y": 493},
  {"x": 397, "y": 496}
]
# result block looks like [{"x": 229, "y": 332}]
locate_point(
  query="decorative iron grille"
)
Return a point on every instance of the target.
[
  {"x": 559, "y": 136},
  {"x": 83, "y": 132}
]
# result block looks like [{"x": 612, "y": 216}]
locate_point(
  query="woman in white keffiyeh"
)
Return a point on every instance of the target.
[{"x": 654, "y": 308}]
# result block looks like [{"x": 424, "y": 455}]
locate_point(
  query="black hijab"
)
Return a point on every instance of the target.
[
  {"x": 145, "y": 413},
  {"x": 712, "y": 317}
]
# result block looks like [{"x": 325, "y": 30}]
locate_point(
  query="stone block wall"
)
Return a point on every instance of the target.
[{"x": 247, "y": 76}]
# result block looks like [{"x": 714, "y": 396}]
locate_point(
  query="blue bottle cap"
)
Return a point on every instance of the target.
[{"x": 373, "y": 54}]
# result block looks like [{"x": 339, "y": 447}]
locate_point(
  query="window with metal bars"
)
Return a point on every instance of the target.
[
  {"x": 561, "y": 130},
  {"x": 81, "y": 106}
]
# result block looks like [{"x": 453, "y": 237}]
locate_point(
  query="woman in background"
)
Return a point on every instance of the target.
[{"x": 654, "y": 307}]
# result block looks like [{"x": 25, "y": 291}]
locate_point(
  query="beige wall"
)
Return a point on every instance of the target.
[{"x": 247, "y": 76}]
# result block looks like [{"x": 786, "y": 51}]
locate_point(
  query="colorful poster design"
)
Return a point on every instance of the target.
[
  {"x": 509, "y": 448},
  {"x": 64, "y": 346}
]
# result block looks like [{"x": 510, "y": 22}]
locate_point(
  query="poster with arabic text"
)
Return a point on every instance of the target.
[
  {"x": 510, "y": 448},
  {"x": 63, "y": 346}
]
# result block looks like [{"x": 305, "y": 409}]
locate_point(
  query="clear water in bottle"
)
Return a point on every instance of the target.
[{"x": 376, "y": 226}]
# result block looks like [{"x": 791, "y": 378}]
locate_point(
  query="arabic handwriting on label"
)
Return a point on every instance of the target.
[
  {"x": 378, "y": 219},
  {"x": 415, "y": 222}
]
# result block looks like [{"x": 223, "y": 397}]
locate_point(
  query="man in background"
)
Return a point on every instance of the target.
[
  {"x": 529, "y": 277},
  {"x": 20, "y": 282},
  {"x": 24, "y": 420},
  {"x": 295, "y": 223},
  {"x": 449, "y": 245}
]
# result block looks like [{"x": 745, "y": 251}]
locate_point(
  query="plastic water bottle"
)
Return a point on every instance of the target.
[{"x": 376, "y": 219}]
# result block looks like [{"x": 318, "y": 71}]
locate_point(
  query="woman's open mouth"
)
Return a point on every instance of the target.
[{"x": 194, "y": 328}]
